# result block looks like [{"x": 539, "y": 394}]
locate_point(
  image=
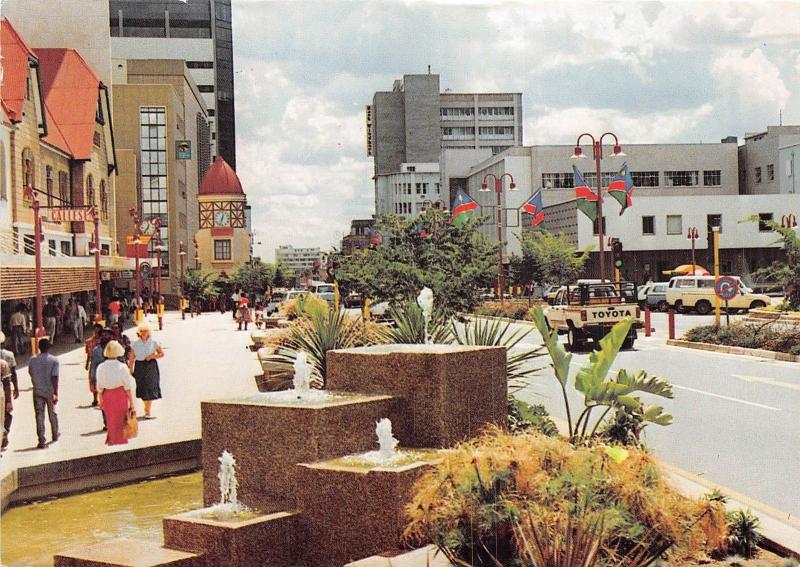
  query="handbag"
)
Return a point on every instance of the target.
[{"x": 131, "y": 427}]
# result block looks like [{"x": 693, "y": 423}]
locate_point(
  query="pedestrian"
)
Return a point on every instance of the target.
[
  {"x": 9, "y": 379},
  {"x": 235, "y": 297},
  {"x": 81, "y": 320},
  {"x": 115, "y": 387},
  {"x": 43, "y": 369},
  {"x": 19, "y": 325},
  {"x": 59, "y": 320},
  {"x": 259, "y": 315},
  {"x": 125, "y": 341},
  {"x": 243, "y": 314},
  {"x": 114, "y": 310},
  {"x": 49, "y": 313},
  {"x": 96, "y": 358},
  {"x": 146, "y": 352}
]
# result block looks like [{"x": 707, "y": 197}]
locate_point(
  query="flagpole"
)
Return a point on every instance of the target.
[{"x": 498, "y": 189}]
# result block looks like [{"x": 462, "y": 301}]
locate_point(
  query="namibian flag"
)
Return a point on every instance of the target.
[
  {"x": 375, "y": 237},
  {"x": 621, "y": 188},
  {"x": 534, "y": 206},
  {"x": 587, "y": 199},
  {"x": 463, "y": 208}
]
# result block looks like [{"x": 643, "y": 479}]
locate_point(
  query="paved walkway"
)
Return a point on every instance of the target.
[{"x": 205, "y": 358}]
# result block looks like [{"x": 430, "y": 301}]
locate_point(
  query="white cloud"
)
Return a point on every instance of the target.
[{"x": 753, "y": 77}]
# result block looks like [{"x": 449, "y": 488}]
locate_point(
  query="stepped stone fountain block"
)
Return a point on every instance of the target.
[
  {"x": 263, "y": 540},
  {"x": 348, "y": 512},
  {"x": 128, "y": 553},
  {"x": 425, "y": 556},
  {"x": 450, "y": 391},
  {"x": 269, "y": 438}
]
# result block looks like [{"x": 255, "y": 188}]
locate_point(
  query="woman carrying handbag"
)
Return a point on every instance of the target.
[{"x": 115, "y": 393}]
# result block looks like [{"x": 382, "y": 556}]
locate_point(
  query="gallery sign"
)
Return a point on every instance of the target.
[
  {"x": 183, "y": 149},
  {"x": 67, "y": 214}
]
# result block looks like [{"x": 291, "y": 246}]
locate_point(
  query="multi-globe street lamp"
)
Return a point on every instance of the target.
[
  {"x": 693, "y": 234},
  {"x": 597, "y": 154},
  {"x": 498, "y": 189}
]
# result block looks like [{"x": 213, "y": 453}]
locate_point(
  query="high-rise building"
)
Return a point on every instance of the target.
[
  {"x": 298, "y": 260},
  {"x": 198, "y": 32},
  {"x": 414, "y": 122}
]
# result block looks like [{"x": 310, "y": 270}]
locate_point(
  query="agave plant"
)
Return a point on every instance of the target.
[
  {"x": 318, "y": 330},
  {"x": 482, "y": 332},
  {"x": 598, "y": 391},
  {"x": 408, "y": 325}
]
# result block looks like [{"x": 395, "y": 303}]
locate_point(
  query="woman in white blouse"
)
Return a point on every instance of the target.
[
  {"x": 115, "y": 392},
  {"x": 146, "y": 352}
]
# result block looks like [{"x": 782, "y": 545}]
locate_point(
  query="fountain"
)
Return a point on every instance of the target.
[
  {"x": 425, "y": 301},
  {"x": 228, "y": 507},
  {"x": 301, "y": 391},
  {"x": 387, "y": 454}
]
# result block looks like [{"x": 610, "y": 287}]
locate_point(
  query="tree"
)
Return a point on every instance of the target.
[
  {"x": 253, "y": 277},
  {"x": 786, "y": 273},
  {"x": 454, "y": 261},
  {"x": 281, "y": 276},
  {"x": 547, "y": 257},
  {"x": 200, "y": 285}
]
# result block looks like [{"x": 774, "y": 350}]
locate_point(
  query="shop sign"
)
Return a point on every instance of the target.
[{"x": 67, "y": 214}]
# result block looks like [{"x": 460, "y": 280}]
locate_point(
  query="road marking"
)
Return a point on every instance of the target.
[
  {"x": 770, "y": 381},
  {"x": 726, "y": 398}
]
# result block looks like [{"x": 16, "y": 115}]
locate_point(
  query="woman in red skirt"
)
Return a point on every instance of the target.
[{"x": 115, "y": 391}]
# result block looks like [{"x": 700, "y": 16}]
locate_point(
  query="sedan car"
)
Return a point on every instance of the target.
[{"x": 657, "y": 297}]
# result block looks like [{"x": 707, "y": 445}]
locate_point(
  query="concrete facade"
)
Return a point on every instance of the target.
[
  {"x": 406, "y": 192},
  {"x": 161, "y": 84},
  {"x": 759, "y": 159},
  {"x": 789, "y": 160},
  {"x": 298, "y": 260},
  {"x": 413, "y": 122}
]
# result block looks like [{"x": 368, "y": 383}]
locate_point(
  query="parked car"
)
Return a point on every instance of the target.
[
  {"x": 657, "y": 297},
  {"x": 272, "y": 304},
  {"x": 549, "y": 293},
  {"x": 352, "y": 300},
  {"x": 641, "y": 294},
  {"x": 323, "y": 291},
  {"x": 685, "y": 293}
]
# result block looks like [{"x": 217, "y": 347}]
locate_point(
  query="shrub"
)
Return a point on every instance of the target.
[
  {"x": 511, "y": 310},
  {"x": 489, "y": 496},
  {"x": 742, "y": 535},
  {"x": 766, "y": 335},
  {"x": 527, "y": 418}
]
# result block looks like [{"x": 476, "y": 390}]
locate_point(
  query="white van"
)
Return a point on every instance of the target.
[{"x": 685, "y": 293}]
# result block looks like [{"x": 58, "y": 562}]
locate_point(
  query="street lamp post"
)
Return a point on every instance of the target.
[
  {"x": 136, "y": 242},
  {"x": 498, "y": 189},
  {"x": 438, "y": 204},
  {"x": 693, "y": 235},
  {"x": 95, "y": 249},
  {"x": 30, "y": 193},
  {"x": 181, "y": 255},
  {"x": 597, "y": 154},
  {"x": 196, "y": 254}
]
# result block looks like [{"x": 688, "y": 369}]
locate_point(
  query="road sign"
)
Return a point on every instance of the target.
[{"x": 726, "y": 288}]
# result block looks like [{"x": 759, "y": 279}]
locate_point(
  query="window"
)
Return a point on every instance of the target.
[
  {"x": 49, "y": 185},
  {"x": 200, "y": 64},
  {"x": 463, "y": 113},
  {"x": 558, "y": 180},
  {"x": 674, "y": 224},
  {"x": 222, "y": 249},
  {"x": 591, "y": 178},
  {"x": 495, "y": 132},
  {"x": 770, "y": 172},
  {"x": 28, "y": 88},
  {"x": 644, "y": 178},
  {"x": 763, "y": 219},
  {"x": 28, "y": 169},
  {"x": 758, "y": 175},
  {"x": 211, "y": 112},
  {"x": 712, "y": 178},
  {"x": 63, "y": 194},
  {"x": 97, "y": 139},
  {"x": 205, "y": 88},
  {"x": 648, "y": 225},
  {"x": 153, "y": 174},
  {"x": 411, "y": 168},
  {"x": 458, "y": 132},
  {"x": 496, "y": 112},
  {"x": 103, "y": 199},
  {"x": 51, "y": 247},
  {"x": 594, "y": 227},
  {"x": 27, "y": 244},
  {"x": 680, "y": 178},
  {"x": 66, "y": 248},
  {"x": 90, "y": 190}
]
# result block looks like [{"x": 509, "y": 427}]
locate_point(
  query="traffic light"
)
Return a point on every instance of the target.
[{"x": 617, "y": 250}]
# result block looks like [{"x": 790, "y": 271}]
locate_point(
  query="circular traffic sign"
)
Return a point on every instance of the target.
[
  {"x": 144, "y": 270},
  {"x": 726, "y": 288}
]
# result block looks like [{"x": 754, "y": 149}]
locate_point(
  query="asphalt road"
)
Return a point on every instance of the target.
[{"x": 736, "y": 418}]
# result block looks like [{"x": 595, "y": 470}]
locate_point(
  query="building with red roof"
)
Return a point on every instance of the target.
[{"x": 57, "y": 139}]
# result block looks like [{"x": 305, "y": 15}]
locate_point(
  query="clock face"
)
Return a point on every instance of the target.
[{"x": 222, "y": 218}]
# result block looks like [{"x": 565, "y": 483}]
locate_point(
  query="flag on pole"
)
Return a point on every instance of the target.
[
  {"x": 534, "y": 206},
  {"x": 621, "y": 188},
  {"x": 463, "y": 208},
  {"x": 587, "y": 199}
]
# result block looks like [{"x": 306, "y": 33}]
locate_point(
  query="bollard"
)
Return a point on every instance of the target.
[
  {"x": 671, "y": 320},
  {"x": 647, "y": 321},
  {"x": 160, "y": 323}
]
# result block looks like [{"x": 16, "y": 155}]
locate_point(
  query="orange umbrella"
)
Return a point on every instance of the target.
[{"x": 686, "y": 270}]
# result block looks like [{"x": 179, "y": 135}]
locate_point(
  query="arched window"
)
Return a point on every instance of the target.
[
  {"x": 90, "y": 190},
  {"x": 103, "y": 199},
  {"x": 63, "y": 193},
  {"x": 49, "y": 185},
  {"x": 28, "y": 169}
]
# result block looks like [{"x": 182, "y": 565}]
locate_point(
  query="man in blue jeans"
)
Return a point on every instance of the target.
[{"x": 43, "y": 369}]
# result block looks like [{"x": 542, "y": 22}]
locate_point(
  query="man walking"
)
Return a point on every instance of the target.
[
  {"x": 43, "y": 369},
  {"x": 9, "y": 379},
  {"x": 80, "y": 321},
  {"x": 49, "y": 313}
]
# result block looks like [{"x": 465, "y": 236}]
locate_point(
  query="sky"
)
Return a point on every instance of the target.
[{"x": 653, "y": 72}]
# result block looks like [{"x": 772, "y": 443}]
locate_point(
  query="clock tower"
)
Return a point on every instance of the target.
[{"x": 223, "y": 240}]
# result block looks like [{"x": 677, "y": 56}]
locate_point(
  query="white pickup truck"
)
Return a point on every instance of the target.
[{"x": 588, "y": 311}]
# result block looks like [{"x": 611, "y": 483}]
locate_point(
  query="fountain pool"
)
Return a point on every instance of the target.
[{"x": 132, "y": 511}]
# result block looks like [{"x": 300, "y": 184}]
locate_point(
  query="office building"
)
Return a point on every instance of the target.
[
  {"x": 298, "y": 260},
  {"x": 359, "y": 237},
  {"x": 414, "y": 122},
  {"x": 161, "y": 131},
  {"x": 198, "y": 32},
  {"x": 759, "y": 159}
]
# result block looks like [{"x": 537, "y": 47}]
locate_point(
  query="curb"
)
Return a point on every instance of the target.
[
  {"x": 61, "y": 478},
  {"x": 500, "y": 319},
  {"x": 725, "y": 349}
]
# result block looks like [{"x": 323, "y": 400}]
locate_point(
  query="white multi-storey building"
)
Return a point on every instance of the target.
[{"x": 298, "y": 260}]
